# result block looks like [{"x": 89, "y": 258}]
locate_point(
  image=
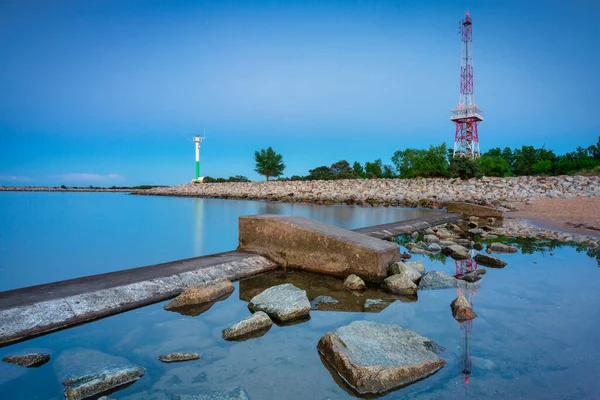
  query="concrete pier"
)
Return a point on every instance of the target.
[{"x": 37, "y": 310}]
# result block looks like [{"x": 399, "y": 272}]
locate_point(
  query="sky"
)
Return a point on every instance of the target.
[{"x": 110, "y": 92}]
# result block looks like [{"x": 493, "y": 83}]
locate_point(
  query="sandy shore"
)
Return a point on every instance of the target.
[{"x": 579, "y": 215}]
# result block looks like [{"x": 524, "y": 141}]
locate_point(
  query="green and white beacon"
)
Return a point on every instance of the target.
[{"x": 197, "y": 140}]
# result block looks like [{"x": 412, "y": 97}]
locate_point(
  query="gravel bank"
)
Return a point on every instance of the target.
[{"x": 430, "y": 193}]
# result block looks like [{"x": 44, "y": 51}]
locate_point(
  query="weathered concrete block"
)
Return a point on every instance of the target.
[
  {"x": 314, "y": 246},
  {"x": 468, "y": 209}
]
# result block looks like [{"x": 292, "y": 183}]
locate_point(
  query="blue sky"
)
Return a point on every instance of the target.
[{"x": 110, "y": 92}]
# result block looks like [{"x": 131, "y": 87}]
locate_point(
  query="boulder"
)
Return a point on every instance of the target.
[
  {"x": 179, "y": 357},
  {"x": 375, "y": 358},
  {"x": 473, "y": 276},
  {"x": 489, "y": 261},
  {"x": 399, "y": 268},
  {"x": 416, "y": 265},
  {"x": 90, "y": 373},
  {"x": 445, "y": 243},
  {"x": 416, "y": 250},
  {"x": 354, "y": 282},
  {"x": 236, "y": 394},
  {"x": 461, "y": 309},
  {"x": 400, "y": 284},
  {"x": 434, "y": 248},
  {"x": 477, "y": 246},
  {"x": 253, "y": 326},
  {"x": 32, "y": 360},
  {"x": 431, "y": 239},
  {"x": 203, "y": 293},
  {"x": 498, "y": 247},
  {"x": 437, "y": 280},
  {"x": 456, "y": 251},
  {"x": 477, "y": 231},
  {"x": 282, "y": 303}
]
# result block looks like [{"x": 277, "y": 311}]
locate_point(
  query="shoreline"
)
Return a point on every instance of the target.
[{"x": 59, "y": 189}]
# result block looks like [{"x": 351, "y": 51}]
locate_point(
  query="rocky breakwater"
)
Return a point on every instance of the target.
[{"x": 432, "y": 192}]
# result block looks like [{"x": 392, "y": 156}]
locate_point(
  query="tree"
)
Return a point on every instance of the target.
[
  {"x": 464, "y": 168},
  {"x": 374, "y": 169},
  {"x": 358, "y": 169},
  {"x": 322, "y": 173},
  {"x": 342, "y": 170},
  {"x": 269, "y": 163},
  {"x": 494, "y": 166},
  {"x": 412, "y": 163}
]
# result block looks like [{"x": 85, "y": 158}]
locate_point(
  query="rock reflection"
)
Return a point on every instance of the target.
[
  {"x": 326, "y": 293},
  {"x": 194, "y": 310}
]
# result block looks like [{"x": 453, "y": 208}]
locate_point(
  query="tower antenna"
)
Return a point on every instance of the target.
[{"x": 466, "y": 116}]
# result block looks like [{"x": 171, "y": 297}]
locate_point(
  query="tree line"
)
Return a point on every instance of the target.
[{"x": 438, "y": 161}]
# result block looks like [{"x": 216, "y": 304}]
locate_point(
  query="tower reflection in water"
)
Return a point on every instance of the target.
[{"x": 464, "y": 267}]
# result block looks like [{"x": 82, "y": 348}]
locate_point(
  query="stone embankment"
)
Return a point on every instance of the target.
[{"x": 431, "y": 193}]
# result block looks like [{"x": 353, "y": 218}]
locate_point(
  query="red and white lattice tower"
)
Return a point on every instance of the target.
[{"x": 466, "y": 115}]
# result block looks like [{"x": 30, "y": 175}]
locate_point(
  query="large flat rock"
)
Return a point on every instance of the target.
[
  {"x": 374, "y": 358},
  {"x": 314, "y": 246},
  {"x": 468, "y": 209}
]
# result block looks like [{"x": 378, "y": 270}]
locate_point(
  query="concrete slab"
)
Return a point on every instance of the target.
[
  {"x": 37, "y": 310},
  {"x": 314, "y": 246},
  {"x": 407, "y": 227}
]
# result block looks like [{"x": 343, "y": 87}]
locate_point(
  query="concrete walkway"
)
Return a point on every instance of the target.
[{"x": 37, "y": 310}]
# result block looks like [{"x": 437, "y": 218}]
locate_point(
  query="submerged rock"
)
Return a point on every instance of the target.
[
  {"x": 498, "y": 247},
  {"x": 104, "y": 382},
  {"x": 203, "y": 293},
  {"x": 473, "y": 276},
  {"x": 257, "y": 323},
  {"x": 437, "y": 280},
  {"x": 375, "y": 358},
  {"x": 354, "y": 282},
  {"x": 461, "y": 309},
  {"x": 179, "y": 357},
  {"x": 400, "y": 284},
  {"x": 456, "y": 251},
  {"x": 434, "y": 248},
  {"x": 86, "y": 373},
  {"x": 32, "y": 360},
  {"x": 282, "y": 303},
  {"x": 417, "y": 251},
  {"x": 236, "y": 394},
  {"x": 489, "y": 261},
  {"x": 322, "y": 300}
]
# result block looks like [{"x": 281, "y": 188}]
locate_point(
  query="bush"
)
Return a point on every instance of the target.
[{"x": 464, "y": 168}]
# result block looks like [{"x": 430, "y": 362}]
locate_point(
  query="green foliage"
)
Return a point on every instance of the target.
[
  {"x": 322, "y": 173},
  {"x": 374, "y": 169},
  {"x": 464, "y": 168},
  {"x": 269, "y": 163},
  {"x": 343, "y": 170},
  {"x": 235, "y": 178},
  {"x": 63, "y": 187},
  {"x": 542, "y": 167},
  {"x": 358, "y": 169},
  {"x": 412, "y": 163},
  {"x": 494, "y": 166}
]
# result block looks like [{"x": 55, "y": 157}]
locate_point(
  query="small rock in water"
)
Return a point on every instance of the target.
[
  {"x": 32, "y": 360},
  {"x": 437, "y": 280},
  {"x": 236, "y": 394},
  {"x": 416, "y": 265},
  {"x": 259, "y": 324},
  {"x": 179, "y": 357},
  {"x": 106, "y": 381},
  {"x": 405, "y": 256},
  {"x": 473, "y": 276},
  {"x": 203, "y": 293},
  {"x": 478, "y": 246},
  {"x": 456, "y": 251},
  {"x": 375, "y": 358},
  {"x": 431, "y": 239},
  {"x": 400, "y": 284},
  {"x": 489, "y": 261},
  {"x": 400, "y": 268},
  {"x": 418, "y": 251},
  {"x": 498, "y": 247},
  {"x": 322, "y": 300},
  {"x": 354, "y": 282},
  {"x": 461, "y": 309},
  {"x": 434, "y": 248},
  {"x": 446, "y": 243},
  {"x": 282, "y": 303}
]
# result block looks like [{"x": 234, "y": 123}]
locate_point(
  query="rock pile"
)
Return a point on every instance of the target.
[{"x": 432, "y": 193}]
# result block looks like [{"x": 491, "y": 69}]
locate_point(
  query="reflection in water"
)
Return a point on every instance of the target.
[
  {"x": 316, "y": 285},
  {"x": 199, "y": 226},
  {"x": 463, "y": 267}
]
